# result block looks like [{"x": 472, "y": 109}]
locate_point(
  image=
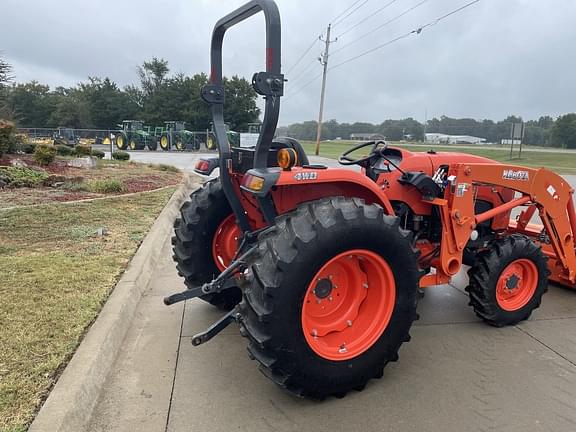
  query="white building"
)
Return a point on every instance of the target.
[{"x": 438, "y": 138}]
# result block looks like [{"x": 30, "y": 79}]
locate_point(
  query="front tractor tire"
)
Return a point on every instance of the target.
[
  {"x": 331, "y": 297},
  {"x": 205, "y": 240},
  {"x": 180, "y": 146},
  {"x": 508, "y": 280},
  {"x": 152, "y": 144},
  {"x": 134, "y": 144}
]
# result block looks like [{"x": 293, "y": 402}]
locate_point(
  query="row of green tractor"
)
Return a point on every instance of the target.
[{"x": 133, "y": 135}]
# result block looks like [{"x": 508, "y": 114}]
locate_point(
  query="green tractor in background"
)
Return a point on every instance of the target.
[
  {"x": 135, "y": 136},
  {"x": 233, "y": 138},
  {"x": 176, "y": 136}
]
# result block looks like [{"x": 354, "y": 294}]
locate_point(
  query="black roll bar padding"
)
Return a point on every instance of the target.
[{"x": 214, "y": 94}]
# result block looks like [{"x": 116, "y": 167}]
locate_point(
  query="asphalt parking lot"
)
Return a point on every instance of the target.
[{"x": 456, "y": 374}]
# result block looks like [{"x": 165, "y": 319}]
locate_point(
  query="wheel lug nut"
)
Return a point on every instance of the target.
[
  {"x": 342, "y": 349},
  {"x": 349, "y": 323},
  {"x": 314, "y": 332},
  {"x": 365, "y": 285},
  {"x": 330, "y": 298}
]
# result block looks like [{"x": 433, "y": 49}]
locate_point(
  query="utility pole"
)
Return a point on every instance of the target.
[{"x": 324, "y": 62}]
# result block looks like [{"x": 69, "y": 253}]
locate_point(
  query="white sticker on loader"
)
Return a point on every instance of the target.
[
  {"x": 515, "y": 175},
  {"x": 461, "y": 189}
]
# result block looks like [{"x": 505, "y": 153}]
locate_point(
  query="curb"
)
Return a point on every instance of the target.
[{"x": 72, "y": 400}]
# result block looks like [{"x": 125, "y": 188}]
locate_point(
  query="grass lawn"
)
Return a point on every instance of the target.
[
  {"x": 561, "y": 162},
  {"x": 56, "y": 275}
]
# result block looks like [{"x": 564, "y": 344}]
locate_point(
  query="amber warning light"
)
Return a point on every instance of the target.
[{"x": 253, "y": 183}]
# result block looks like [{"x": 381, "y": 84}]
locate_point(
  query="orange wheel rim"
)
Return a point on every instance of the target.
[
  {"x": 348, "y": 304},
  {"x": 517, "y": 284},
  {"x": 225, "y": 242}
]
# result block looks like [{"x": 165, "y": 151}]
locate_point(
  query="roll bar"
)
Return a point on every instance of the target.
[{"x": 270, "y": 84}]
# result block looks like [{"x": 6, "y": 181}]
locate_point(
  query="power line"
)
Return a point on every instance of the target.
[
  {"x": 377, "y": 11},
  {"x": 391, "y": 20},
  {"x": 405, "y": 35},
  {"x": 345, "y": 10},
  {"x": 302, "y": 56},
  {"x": 334, "y": 20},
  {"x": 390, "y": 42},
  {"x": 350, "y": 13},
  {"x": 303, "y": 87},
  {"x": 303, "y": 71}
]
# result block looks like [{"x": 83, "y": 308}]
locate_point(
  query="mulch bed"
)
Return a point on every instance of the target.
[{"x": 135, "y": 178}]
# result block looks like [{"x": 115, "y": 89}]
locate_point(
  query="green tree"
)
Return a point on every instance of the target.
[
  {"x": 564, "y": 131},
  {"x": 5, "y": 77},
  {"x": 107, "y": 104},
  {"x": 240, "y": 107},
  {"x": 31, "y": 104},
  {"x": 70, "y": 109},
  {"x": 152, "y": 74}
]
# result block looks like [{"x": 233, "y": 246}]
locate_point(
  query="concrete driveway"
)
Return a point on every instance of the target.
[{"x": 457, "y": 374}]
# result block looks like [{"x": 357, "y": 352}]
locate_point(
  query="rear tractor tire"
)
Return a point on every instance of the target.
[
  {"x": 121, "y": 142},
  {"x": 331, "y": 297},
  {"x": 205, "y": 240},
  {"x": 508, "y": 280},
  {"x": 211, "y": 143},
  {"x": 165, "y": 142}
]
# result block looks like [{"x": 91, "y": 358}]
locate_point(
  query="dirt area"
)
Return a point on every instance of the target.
[{"x": 61, "y": 182}]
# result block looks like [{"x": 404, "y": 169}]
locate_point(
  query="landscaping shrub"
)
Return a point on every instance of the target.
[
  {"x": 105, "y": 186},
  {"x": 44, "y": 154},
  {"x": 64, "y": 150},
  {"x": 22, "y": 177},
  {"x": 17, "y": 142},
  {"x": 6, "y": 136},
  {"x": 26, "y": 147},
  {"x": 83, "y": 150},
  {"x": 121, "y": 155},
  {"x": 98, "y": 153}
]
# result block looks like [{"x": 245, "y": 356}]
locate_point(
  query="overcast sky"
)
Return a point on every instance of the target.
[{"x": 495, "y": 58}]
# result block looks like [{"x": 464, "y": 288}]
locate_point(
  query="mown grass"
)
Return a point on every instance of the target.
[
  {"x": 56, "y": 275},
  {"x": 562, "y": 162}
]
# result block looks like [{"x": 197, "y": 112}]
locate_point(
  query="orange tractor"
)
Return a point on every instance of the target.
[{"x": 322, "y": 268}]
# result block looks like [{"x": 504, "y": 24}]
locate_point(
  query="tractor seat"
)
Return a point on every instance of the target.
[{"x": 287, "y": 142}]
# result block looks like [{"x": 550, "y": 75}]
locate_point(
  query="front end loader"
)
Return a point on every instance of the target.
[{"x": 322, "y": 268}]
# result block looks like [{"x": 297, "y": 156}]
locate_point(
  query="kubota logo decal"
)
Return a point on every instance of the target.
[
  {"x": 515, "y": 175},
  {"x": 313, "y": 175}
]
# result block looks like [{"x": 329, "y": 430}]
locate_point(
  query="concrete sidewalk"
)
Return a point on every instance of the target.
[{"x": 457, "y": 374}]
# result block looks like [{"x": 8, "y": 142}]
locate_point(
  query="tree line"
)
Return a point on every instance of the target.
[
  {"x": 99, "y": 103},
  {"x": 546, "y": 131},
  {"x": 159, "y": 96}
]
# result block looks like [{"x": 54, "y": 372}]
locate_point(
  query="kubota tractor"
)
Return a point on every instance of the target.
[{"x": 322, "y": 267}]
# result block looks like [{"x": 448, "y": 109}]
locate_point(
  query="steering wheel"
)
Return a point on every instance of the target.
[{"x": 345, "y": 159}]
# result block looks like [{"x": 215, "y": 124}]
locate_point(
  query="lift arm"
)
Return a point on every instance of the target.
[{"x": 541, "y": 189}]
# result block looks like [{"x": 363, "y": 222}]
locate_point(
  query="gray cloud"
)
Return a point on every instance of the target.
[{"x": 497, "y": 57}]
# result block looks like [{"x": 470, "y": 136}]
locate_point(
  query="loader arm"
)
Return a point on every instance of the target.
[{"x": 540, "y": 190}]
